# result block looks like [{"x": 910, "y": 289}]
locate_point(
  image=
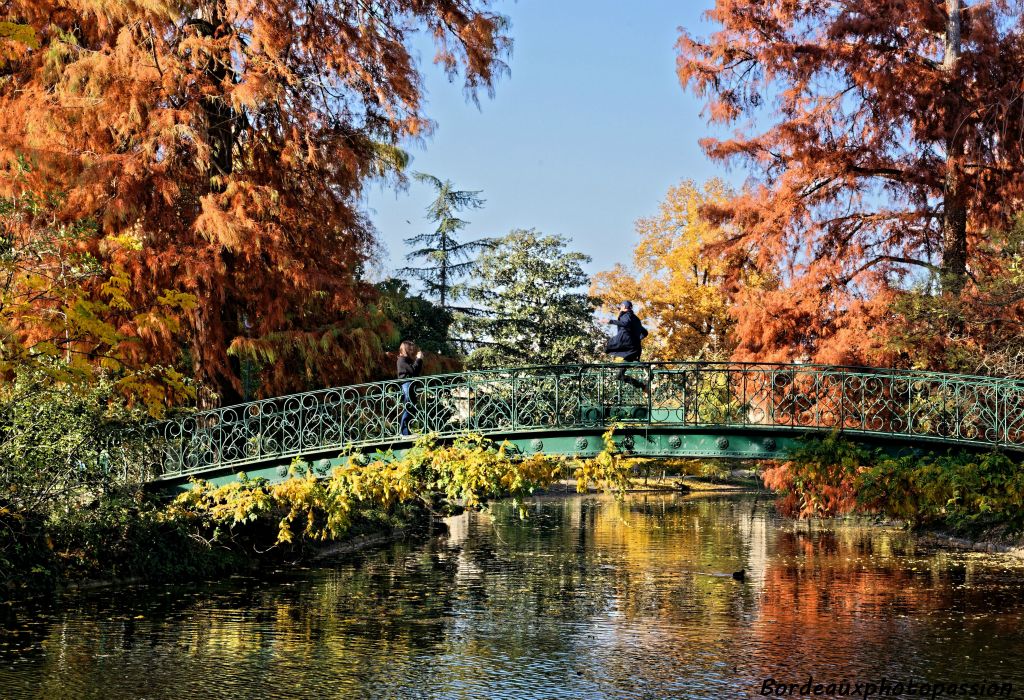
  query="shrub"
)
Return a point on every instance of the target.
[
  {"x": 967, "y": 492},
  {"x": 820, "y": 479},
  {"x": 429, "y": 477},
  {"x": 61, "y": 459}
]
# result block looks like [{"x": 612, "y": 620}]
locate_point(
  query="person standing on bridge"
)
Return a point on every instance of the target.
[
  {"x": 625, "y": 346},
  {"x": 410, "y": 364}
]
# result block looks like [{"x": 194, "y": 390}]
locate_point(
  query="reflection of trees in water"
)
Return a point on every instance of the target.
[
  {"x": 835, "y": 598},
  {"x": 646, "y": 582},
  {"x": 608, "y": 593},
  {"x": 649, "y": 557},
  {"x": 276, "y": 635},
  {"x": 22, "y": 629}
]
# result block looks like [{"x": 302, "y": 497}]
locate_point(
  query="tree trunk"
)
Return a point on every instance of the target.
[
  {"x": 220, "y": 115},
  {"x": 443, "y": 277},
  {"x": 954, "y": 220},
  {"x": 221, "y": 122},
  {"x": 954, "y": 233}
]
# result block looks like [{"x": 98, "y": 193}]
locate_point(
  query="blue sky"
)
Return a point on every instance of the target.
[{"x": 582, "y": 138}]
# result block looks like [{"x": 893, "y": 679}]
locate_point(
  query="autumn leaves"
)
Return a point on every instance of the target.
[
  {"x": 885, "y": 162},
  {"x": 211, "y": 159},
  {"x": 228, "y": 142}
]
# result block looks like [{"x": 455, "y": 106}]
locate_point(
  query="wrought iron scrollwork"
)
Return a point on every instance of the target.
[{"x": 916, "y": 406}]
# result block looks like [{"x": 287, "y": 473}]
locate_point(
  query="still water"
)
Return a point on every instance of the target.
[{"x": 586, "y": 598}]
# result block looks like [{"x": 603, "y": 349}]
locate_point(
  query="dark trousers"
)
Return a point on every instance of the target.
[
  {"x": 623, "y": 377},
  {"x": 408, "y": 407}
]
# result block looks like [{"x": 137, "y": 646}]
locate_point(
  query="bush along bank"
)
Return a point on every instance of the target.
[
  {"x": 113, "y": 537},
  {"x": 968, "y": 494},
  {"x": 430, "y": 479},
  {"x": 72, "y": 504},
  {"x": 211, "y": 530}
]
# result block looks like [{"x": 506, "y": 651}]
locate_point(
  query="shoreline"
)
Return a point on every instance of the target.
[
  {"x": 668, "y": 485},
  {"x": 421, "y": 529},
  {"x": 983, "y": 546},
  {"x": 323, "y": 555},
  {"x": 698, "y": 486}
]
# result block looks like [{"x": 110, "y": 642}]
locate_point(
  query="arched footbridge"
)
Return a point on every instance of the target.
[{"x": 677, "y": 409}]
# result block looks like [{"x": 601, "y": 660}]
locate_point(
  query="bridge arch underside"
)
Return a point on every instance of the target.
[{"x": 705, "y": 442}]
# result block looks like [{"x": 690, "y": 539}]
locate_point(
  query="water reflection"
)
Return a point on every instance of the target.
[{"x": 588, "y": 598}]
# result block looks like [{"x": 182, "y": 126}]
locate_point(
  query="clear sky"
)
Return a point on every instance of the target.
[{"x": 582, "y": 138}]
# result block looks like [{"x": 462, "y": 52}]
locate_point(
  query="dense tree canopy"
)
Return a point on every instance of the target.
[
  {"x": 64, "y": 316},
  {"x": 220, "y": 147},
  {"x": 892, "y": 145},
  {"x": 532, "y": 308},
  {"x": 416, "y": 318}
]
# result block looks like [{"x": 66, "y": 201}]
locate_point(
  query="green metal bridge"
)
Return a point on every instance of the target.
[{"x": 678, "y": 409}]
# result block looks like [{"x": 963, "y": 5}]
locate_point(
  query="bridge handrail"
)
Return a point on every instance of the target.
[
  {"x": 913, "y": 404},
  {"x": 857, "y": 369}
]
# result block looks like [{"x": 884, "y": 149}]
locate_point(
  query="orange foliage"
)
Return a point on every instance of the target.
[
  {"x": 221, "y": 147},
  {"x": 818, "y": 584},
  {"x": 61, "y": 313},
  {"x": 886, "y": 159},
  {"x": 822, "y": 495}
]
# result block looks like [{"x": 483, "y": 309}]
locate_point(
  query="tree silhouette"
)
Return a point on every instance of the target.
[{"x": 447, "y": 259}]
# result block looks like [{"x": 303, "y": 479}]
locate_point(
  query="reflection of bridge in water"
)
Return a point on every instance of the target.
[{"x": 739, "y": 410}]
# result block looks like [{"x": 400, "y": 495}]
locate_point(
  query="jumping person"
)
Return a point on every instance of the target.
[
  {"x": 625, "y": 345},
  {"x": 410, "y": 364}
]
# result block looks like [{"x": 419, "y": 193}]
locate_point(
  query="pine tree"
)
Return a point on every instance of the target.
[
  {"x": 416, "y": 318},
  {"x": 447, "y": 259},
  {"x": 531, "y": 305}
]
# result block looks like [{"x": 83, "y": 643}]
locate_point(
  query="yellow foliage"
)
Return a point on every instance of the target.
[
  {"x": 116, "y": 288},
  {"x": 21, "y": 33},
  {"x": 471, "y": 470},
  {"x": 322, "y": 510},
  {"x": 383, "y": 482},
  {"x": 62, "y": 312},
  {"x": 608, "y": 471},
  {"x": 679, "y": 282}
]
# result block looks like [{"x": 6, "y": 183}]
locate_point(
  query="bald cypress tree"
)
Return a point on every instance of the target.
[
  {"x": 878, "y": 133},
  {"x": 222, "y": 147}
]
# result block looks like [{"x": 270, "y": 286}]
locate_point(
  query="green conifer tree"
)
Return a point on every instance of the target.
[
  {"x": 531, "y": 303},
  {"x": 447, "y": 260}
]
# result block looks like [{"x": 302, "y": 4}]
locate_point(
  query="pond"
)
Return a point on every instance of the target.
[{"x": 586, "y": 597}]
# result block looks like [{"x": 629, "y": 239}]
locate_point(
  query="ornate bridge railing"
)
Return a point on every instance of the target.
[{"x": 915, "y": 407}]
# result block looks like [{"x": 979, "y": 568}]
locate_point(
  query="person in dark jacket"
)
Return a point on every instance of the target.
[
  {"x": 410, "y": 364},
  {"x": 626, "y": 344}
]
